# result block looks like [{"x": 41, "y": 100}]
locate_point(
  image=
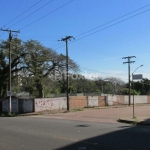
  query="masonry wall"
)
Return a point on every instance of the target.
[
  {"x": 148, "y": 99},
  {"x": 102, "y": 101},
  {"x": 124, "y": 100},
  {"x": 60, "y": 103},
  {"x": 92, "y": 101},
  {"x": 46, "y": 104},
  {"x": 78, "y": 102}
]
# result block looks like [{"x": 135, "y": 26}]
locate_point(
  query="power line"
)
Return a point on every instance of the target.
[
  {"x": 47, "y": 14},
  {"x": 31, "y": 14},
  {"x": 114, "y": 24},
  {"x": 80, "y": 67},
  {"x": 114, "y": 20},
  {"x": 98, "y": 71},
  {"x": 22, "y": 13},
  {"x": 107, "y": 27}
]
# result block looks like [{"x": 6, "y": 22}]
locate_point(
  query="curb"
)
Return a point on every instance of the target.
[
  {"x": 126, "y": 121},
  {"x": 134, "y": 122}
]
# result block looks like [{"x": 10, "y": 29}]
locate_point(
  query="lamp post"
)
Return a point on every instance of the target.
[{"x": 133, "y": 89}]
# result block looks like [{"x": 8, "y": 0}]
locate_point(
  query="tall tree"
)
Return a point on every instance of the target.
[
  {"x": 32, "y": 63},
  {"x": 16, "y": 63},
  {"x": 41, "y": 61}
]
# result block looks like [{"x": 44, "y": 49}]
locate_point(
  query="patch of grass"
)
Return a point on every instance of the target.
[
  {"x": 78, "y": 109},
  {"x": 135, "y": 121},
  {"x": 8, "y": 114}
]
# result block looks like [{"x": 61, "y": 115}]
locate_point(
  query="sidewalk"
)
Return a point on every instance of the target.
[
  {"x": 109, "y": 114},
  {"x": 104, "y": 115}
]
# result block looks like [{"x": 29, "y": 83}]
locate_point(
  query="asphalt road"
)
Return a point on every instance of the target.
[{"x": 29, "y": 133}]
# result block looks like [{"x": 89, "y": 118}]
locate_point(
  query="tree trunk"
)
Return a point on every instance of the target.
[{"x": 40, "y": 90}]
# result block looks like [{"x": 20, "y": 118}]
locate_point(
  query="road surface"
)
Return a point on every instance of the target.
[{"x": 39, "y": 133}]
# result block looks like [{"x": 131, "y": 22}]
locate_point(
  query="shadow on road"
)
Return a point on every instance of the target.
[{"x": 126, "y": 138}]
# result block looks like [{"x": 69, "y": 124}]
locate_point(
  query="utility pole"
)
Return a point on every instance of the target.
[
  {"x": 129, "y": 62},
  {"x": 10, "y": 49},
  {"x": 67, "y": 79}
]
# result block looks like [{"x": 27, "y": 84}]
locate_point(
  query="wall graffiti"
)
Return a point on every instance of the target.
[{"x": 45, "y": 104}]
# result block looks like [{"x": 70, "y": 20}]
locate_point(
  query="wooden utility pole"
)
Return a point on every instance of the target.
[
  {"x": 129, "y": 62},
  {"x": 9, "y": 93},
  {"x": 67, "y": 79}
]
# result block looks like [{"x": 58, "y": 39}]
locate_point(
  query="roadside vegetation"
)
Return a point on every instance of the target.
[{"x": 32, "y": 67}]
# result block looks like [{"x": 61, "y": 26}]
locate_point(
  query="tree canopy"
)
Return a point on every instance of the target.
[{"x": 31, "y": 63}]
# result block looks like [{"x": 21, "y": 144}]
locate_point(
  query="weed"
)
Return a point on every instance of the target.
[
  {"x": 78, "y": 109},
  {"x": 135, "y": 121},
  {"x": 8, "y": 114}
]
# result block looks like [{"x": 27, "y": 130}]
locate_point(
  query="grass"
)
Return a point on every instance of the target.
[
  {"x": 78, "y": 109},
  {"x": 8, "y": 114},
  {"x": 135, "y": 121}
]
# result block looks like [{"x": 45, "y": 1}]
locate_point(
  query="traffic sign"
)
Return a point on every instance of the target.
[{"x": 9, "y": 93}]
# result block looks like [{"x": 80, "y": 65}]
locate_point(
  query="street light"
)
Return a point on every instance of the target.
[{"x": 133, "y": 89}]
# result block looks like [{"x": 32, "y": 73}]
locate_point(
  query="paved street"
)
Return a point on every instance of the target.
[{"x": 50, "y": 133}]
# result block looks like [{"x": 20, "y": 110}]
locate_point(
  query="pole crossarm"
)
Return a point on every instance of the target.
[
  {"x": 129, "y": 57},
  {"x": 18, "y": 31},
  {"x": 67, "y": 38},
  {"x": 129, "y": 62}
]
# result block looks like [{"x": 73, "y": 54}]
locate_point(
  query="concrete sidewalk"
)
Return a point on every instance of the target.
[{"x": 109, "y": 115}]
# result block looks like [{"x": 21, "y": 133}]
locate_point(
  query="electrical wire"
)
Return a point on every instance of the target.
[
  {"x": 114, "y": 20},
  {"x": 31, "y": 14},
  {"x": 22, "y": 13},
  {"x": 47, "y": 14},
  {"x": 80, "y": 67},
  {"x": 98, "y": 71},
  {"x": 113, "y": 24},
  {"x": 105, "y": 23},
  {"x": 106, "y": 27}
]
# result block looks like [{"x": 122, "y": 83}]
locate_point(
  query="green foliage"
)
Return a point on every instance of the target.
[
  {"x": 8, "y": 114},
  {"x": 135, "y": 121},
  {"x": 31, "y": 66},
  {"x": 78, "y": 109},
  {"x": 141, "y": 87},
  {"x": 125, "y": 91}
]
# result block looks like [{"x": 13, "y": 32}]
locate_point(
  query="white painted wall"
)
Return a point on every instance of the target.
[
  {"x": 46, "y": 104},
  {"x": 137, "y": 99},
  {"x": 92, "y": 101},
  {"x": 110, "y": 99}
]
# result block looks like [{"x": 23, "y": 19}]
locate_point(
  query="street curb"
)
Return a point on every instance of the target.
[
  {"x": 134, "y": 122},
  {"x": 125, "y": 121}
]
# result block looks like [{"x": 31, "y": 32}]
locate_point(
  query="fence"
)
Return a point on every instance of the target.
[{"x": 60, "y": 103}]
